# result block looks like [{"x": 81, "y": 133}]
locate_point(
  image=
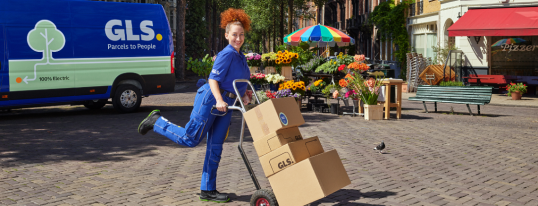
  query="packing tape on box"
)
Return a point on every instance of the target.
[{"x": 263, "y": 125}]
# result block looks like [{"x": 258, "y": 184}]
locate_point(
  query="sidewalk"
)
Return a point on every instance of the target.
[{"x": 499, "y": 100}]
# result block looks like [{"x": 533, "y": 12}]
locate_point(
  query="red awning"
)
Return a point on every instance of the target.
[{"x": 518, "y": 21}]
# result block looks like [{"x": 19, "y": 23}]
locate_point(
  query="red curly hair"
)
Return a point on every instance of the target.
[{"x": 235, "y": 15}]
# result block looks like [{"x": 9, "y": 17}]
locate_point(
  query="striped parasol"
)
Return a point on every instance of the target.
[
  {"x": 508, "y": 41},
  {"x": 319, "y": 35}
]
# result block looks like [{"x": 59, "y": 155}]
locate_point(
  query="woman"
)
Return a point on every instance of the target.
[{"x": 229, "y": 65}]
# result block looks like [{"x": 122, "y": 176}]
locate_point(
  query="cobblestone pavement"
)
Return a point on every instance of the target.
[{"x": 72, "y": 156}]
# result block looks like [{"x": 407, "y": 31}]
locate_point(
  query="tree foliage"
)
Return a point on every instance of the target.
[
  {"x": 390, "y": 20},
  {"x": 196, "y": 29}
]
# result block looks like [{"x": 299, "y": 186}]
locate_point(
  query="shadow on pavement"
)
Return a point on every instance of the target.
[{"x": 345, "y": 195}]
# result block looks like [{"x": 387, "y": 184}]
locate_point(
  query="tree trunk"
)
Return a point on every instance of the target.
[
  {"x": 180, "y": 40},
  {"x": 282, "y": 20},
  {"x": 272, "y": 32},
  {"x": 290, "y": 17},
  {"x": 264, "y": 41}
]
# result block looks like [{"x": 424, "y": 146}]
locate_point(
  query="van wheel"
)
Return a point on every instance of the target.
[
  {"x": 263, "y": 197},
  {"x": 127, "y": 98},
  {"x": 95, "y": 104}
]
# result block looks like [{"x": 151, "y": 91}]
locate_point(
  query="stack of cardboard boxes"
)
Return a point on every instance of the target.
[{"x": 299, "y": 170}]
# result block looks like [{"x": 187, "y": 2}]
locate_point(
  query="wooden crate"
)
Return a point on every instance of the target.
[{"x": 436, "y": 70}]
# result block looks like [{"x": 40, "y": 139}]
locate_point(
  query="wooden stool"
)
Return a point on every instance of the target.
[{"x": 398, "y": 104}]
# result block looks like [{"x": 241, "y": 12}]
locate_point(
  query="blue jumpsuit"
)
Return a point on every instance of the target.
[{"x": 229, "y": 65}]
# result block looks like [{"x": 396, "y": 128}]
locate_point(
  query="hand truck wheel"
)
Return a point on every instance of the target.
[{"x": 263, "y": 197}]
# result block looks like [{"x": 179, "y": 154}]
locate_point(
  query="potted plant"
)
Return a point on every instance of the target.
[
  {"x": 201, "y": 67},
  {"x": 284, "y": 61},
  {"x": 268, "y": 60},
  {"x": 288, "y": 93},
  {"x": 298, "y": 87},
  {"x": 254, "y": 61},
  {"x": 328, "y": 91},
  {"x": 257, "y": 80},
  {"x": 516, "y": 90},
  {"x": 368, "y": 91},
  {"x": 317, "y": 86}
]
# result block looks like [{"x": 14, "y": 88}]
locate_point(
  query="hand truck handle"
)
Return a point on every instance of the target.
[{"x": 228, "y": 107}]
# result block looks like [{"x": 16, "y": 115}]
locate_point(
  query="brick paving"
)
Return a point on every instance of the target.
[{"x": 72, "y": 156}]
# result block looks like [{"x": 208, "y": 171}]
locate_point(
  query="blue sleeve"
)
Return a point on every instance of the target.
[{"x": 221, "y": 66}]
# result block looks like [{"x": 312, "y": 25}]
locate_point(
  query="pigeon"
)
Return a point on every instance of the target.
[{"x": 380, "y": 147}]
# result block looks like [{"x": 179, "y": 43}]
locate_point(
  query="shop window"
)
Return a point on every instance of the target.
[{"x": 514, "y": 55}]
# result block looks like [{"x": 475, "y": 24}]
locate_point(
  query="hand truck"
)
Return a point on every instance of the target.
[{"x": 262, "y": 197}]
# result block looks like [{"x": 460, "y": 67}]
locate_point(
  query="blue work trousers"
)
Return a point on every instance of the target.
[{"x": 201, "y": 122}]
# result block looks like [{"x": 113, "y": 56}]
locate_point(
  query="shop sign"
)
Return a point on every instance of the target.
[{"x": 513, "y": 47}]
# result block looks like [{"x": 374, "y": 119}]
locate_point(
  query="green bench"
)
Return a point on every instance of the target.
[{"x": 476, "y": 95}]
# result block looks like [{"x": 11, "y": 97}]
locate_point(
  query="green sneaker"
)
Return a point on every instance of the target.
[
  {"x": 147, "y": 124},
  {"x": 213, "y": 196}
]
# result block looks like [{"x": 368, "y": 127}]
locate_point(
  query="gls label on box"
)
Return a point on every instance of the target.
[
  {"x": 283, "y": 118},
  {"x": 281, "y": 161}
]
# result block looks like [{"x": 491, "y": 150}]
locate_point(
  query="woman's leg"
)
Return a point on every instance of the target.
[
  {"x": 200, "y": 121},
  {"x": 215, "y": 140}
]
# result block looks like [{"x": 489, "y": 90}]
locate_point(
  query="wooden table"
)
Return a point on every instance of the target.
[{"x": 398, "y": 83}]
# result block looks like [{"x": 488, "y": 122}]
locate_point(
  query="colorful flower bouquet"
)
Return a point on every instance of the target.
[
  {"x": 268, "y": 59},
  {"x": 274, "y": 78},
  {"x": 286, "y": 58},
  {"x": 253, "y": 59},
  {"x": 368, "y": 90},
  {"x": 295, "y": 87},
  {"x": 317, "y": 86},
  {"x": 258, "y": 79},
  {"x": 287, "y": 93}
]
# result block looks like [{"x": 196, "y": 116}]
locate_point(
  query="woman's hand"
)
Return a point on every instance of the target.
[
  {"x": 222, "y": 106},
  {"x": 246, "y": 99}
]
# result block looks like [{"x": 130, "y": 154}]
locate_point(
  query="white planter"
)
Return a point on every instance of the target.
[{"x": 373, "y": 112}]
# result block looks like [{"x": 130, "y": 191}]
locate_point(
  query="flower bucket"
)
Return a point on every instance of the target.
[
  {"x": 273, "y": 87},
  {"x": 257, "y": 87},
  {"x": 286, "y": 72},
  {"x": 346, "y": 102},
  {"x": 334, "y": 108},
  {"x": 270, "y": 70},
  {"x": 373, "y": 112},
  {"x": 516, "y": 95},
  {"x": 253, "y": 70},
  {"x": 300, "y": 103}
]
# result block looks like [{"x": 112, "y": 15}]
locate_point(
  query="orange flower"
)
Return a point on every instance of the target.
[{"x": 343, "y": 83}]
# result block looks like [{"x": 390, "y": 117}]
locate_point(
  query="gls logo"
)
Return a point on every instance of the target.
[
  {"x": 127, "y": 33},
  {"x": 286, "y": 163}
]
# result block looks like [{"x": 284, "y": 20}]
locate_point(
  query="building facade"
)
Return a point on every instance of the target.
[{"x": 492, "y": 53}]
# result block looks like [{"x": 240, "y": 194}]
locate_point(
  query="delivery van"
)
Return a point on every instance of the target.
[{"x": 83, "y": 52}]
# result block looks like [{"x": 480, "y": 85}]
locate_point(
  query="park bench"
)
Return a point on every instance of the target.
[{"x": 475, "y": 95}]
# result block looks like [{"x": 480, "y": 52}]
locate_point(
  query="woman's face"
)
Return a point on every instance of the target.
[{"x": 236, "y": 36}]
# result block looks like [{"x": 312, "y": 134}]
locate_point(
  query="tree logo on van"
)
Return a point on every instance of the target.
[{"x": 46, "y": 38}]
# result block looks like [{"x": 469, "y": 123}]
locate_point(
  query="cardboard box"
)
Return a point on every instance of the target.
[
  {"x": 277, "y": 139},
  {"x": 272, "y": 115},
  {"x": 290, "y": 154},
  {"x": 310, "y": 180}
]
